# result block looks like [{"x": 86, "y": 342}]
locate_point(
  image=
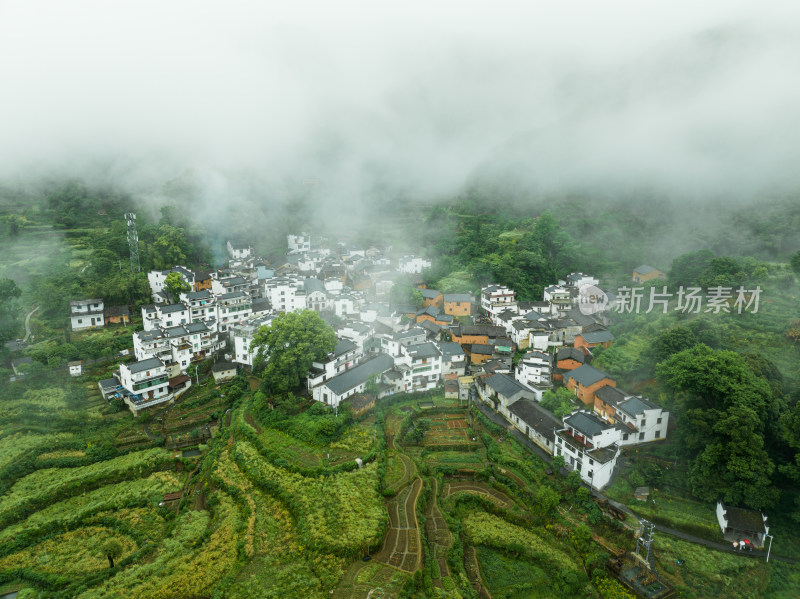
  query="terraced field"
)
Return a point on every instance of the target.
[{"x": 402, "y": 548}]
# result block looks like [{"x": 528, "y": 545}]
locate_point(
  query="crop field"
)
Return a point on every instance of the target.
[
  {"x": 477, "y": 488},
  {"x": 402, "y": 547},
  {"x": 449, "y": 428}
]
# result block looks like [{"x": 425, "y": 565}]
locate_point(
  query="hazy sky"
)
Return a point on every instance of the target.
[{"x": 425, "y": 95}]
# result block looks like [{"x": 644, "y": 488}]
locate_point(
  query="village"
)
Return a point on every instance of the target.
[{"x": 461, "y": 343}]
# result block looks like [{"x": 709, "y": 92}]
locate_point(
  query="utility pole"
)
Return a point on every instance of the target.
[{"x": 770, "y": 545}]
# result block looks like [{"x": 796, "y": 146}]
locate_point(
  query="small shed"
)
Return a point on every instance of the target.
[
  {"x": 642, "y": 493},
  {"x": 75, "y": 368},
  {"x": 223, "y": 371}
]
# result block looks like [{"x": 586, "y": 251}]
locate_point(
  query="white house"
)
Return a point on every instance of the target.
[
  {"x": 559, "y": 297},
  {"x": 495, "y": 298},
  {"x": 589, "y": 446},
  {"x": 299, "y": 243},
  {"x": 145, "y": 384},
  {"x": 454, "y": 359},
  {"x": 344, "y": 355},
  {"x": 642, "y": 420},
  {"x": 393, "y": 343},
  {"x": 536, "y": 423},
  {"x": 238, "y": 249},
  {"x": 232, "y": 307},
  {"x": 412, "y": 264},
  {"x": 420, "y": 365},
  {"x": 352, "y": 381},
  {"x": 501, "y": 391},
  {"x": 578, "y": 280},
  {"x": 242, "y": 334},
  {"x": 285, "y": 294},
  {"x": 75, "y": 368},
  {"x": 156, "y": 280},
  {"x": 85, "y": 314},
  {"x": 316, "y": 296},
  {"x": 201, "y": 305},
  {"x": 167, "y": 316},
  {"x": 738, "y": 524},
  {"x": 535, "y": 371},
  {"x": 357, "y": 332}
]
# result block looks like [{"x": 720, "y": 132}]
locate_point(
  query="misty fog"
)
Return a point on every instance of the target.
[{"x": 343, "y": 102}]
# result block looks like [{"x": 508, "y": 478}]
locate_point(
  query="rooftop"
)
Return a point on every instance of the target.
[
  {"x": 359, "y": 374},
  {"x": 586, "y": 375},
  {"x": 506, "y": 386},
  {"x": 142, "y": 365},
  {"x": 586, "y": 423}
]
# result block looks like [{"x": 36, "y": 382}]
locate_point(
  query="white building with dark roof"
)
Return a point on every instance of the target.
[
  {"x": 353, "y": 380},
  {"x": 86, "y": 314},
  {"x": 589, "y": 446},
  {"x": 144, "y": 384}
]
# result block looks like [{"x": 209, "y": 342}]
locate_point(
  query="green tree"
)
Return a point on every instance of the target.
[
  {"x": 112, "y": 550},
  {"x": 548, "y": 498},
  {"x": 794, "y": 262},
  {"x": 560, "y": 402},
  {"x": 727, "y": 419},
  {"x": 175, "y": 284},
  {"x": 9, "y": 309},
  {"x": 285, "y": 349},
  {"x": 672, "y": 341}
]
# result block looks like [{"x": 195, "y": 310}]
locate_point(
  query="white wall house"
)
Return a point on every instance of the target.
[
  {"x": 201, "y": 305},
  {"x": 357, "y": 332},
  {"x": 156, "y": 280},
  {"x": 420, "y": 365},
  {"x": 352, "y": 381},
  {"x": 533, "y": 421},
  {"x": 232, "y": 308},
  {"x": 167, "y": 316},
  {"x": 239, "y": 250},
  {"x": 242, "y": 335},
  {"x": 393, "y": 343},
  {"x": 285, "y": 294},
  {"x": 535, "y": 371},
  {"x": 559, "y": 297},
  {"x": 344, "y": 355},
  {"x": 412, "y": 264},
  {"x": 501, "y": 391},
  {"x": 86, "y": 314},
  {"x": 146, "y": 384},
  {"x": 578, "y": 279},
  {"x": 299, "y": 243},
  {"x": 496, "y": 298},
  {"x": 589, "y": 446}
]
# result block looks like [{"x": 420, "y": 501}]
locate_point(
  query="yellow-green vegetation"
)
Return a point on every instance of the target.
[
  {"x": 343, "y": 513},
  {"x": 184, "y": 565},
  {"x": 277, "y": 563},
  {"x": 13, "y": 447},
  {"x": 70, "y": 554},
  {"x": 108, "y": 497},
  {"x": 491, "y": 530},
  {"x": 45, "y": 486},
  {"x": 61, "y": 453}
]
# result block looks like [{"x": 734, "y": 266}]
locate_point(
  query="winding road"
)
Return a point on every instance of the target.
[{"x": 28, "y": 324}]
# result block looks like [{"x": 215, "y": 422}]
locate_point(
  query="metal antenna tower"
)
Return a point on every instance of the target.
[
  {"x": 644, "y": 542},
  {"x": 133, "y": 241}
]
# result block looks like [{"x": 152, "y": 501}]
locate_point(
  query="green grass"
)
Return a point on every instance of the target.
[{"x": 512, "y": 577}]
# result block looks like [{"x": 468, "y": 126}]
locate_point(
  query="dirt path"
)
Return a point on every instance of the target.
[{"x": 474, "y": 572}]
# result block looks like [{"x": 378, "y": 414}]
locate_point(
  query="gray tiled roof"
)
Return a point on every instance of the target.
[
  {"x": 359, "y": 374},
  {"x": 172, "y": 308},
  {"x": 536, "y": 417},
  {"x": 598, "y": 336},
  {"x": 634, "y": 406},
  {"x": 585, "y": 423},
  {"x": 587, "y": 375},
  {"x": 143, "y": 365},
  {"x": 506, "y": 386}
]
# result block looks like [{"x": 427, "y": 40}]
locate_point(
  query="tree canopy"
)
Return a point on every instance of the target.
[
  {"x": 286, "y": 348},
  {"x": 727, "y": 419},
  {"x": 175, "y": 284}
]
